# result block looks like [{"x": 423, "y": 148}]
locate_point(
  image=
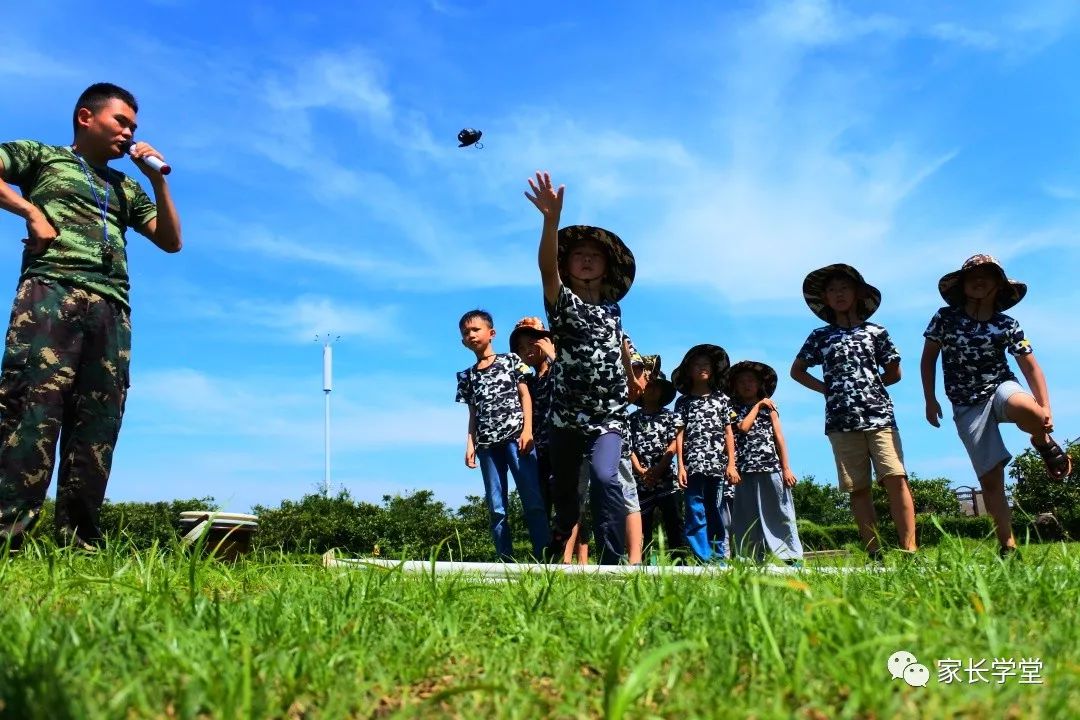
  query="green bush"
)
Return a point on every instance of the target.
[
  {"x": 820, "y": 504},
  {"x": 930, "y": 495},
  {"x": 1034, "y": 492}
]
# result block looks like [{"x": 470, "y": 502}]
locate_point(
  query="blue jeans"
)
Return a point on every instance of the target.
[
  {"x": 706, "y": 530},
  {"x": 494, "y": 461},
  {"x": 569, "y": 448}
]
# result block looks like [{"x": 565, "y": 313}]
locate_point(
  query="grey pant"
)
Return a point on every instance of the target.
[{"x": 763, "y": 518}]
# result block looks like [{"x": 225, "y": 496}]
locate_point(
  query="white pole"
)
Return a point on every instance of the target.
[{"x": 328, "y": 363}]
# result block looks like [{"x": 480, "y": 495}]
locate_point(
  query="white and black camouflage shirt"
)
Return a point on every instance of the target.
[
  {"x": 589, "y": 377},
  {"x": 650, "y": 435},
  {"x": 541, "y": 389},
  {"x": 973, "y": 352},
  {"x": 493, "y": 394},
  {"x": 755, "y": 450},
  {"x": 851, "y": 358},
  {"x": 705, "y": 419}
]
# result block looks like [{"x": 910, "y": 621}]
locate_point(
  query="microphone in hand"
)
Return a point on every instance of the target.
[{"x": 155, "y": 163}]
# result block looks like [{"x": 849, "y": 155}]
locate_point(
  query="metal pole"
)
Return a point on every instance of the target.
[{"x": 328, "y": 363}]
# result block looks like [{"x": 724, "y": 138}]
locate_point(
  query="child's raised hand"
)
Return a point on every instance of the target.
[
  {"x": 547, "y": 347},
  {"x": 545, "y": 197},
  {"x": 933, "y": 412}
]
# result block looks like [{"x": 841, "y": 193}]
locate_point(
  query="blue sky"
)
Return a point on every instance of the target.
[{"x": 733, "y": 146}]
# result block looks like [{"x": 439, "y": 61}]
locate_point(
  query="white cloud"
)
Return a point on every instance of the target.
[{"x": 961, "y": 35}]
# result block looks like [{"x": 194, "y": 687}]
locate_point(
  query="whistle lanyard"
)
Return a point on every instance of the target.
[{"x": 103, "y": 207}]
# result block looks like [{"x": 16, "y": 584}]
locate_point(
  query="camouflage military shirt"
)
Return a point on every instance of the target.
[
  {"x": 492, "y": 393},
  {"x": 705, "y": 419},
  {"x": 541, "y": 388},
  {"x": 590, "y": 380},
  {"x": 755, "y": 450},
  {"x": 855, "y": 397},
  {"x": 650, "y": 435},
  {"x": 973, "y": 352},
  {"x": 52, "y": 178}
]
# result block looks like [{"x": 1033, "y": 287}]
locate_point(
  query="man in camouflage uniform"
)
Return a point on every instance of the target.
[{"x": 65, "y": 368}]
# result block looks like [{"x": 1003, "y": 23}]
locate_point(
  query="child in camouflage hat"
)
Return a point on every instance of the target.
[
  {"x": 585, "y": 272},
  {"x": 500, "y": 435},
  {"x": 65, "y": 367},
  {"x": 654, "y": 430},
  {"x": 972, "y": 333},
  {"x": 858, "y": 361},
  {"x": 705, "y": 448},
  {"x": 532, "y": 342},
  {"x": 763, "y": 514}
]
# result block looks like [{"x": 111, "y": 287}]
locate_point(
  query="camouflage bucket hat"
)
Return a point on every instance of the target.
[
  {"x": 531, "y": 327},
  {"x": 720, "y": 364},
  {"x": 620, "y": 261},
  {"x": 766, "y": 376},
  {"x": 951, "y": 286},
  {"x": 868, "y": 297},
  {"x": 667, "y": 388}
]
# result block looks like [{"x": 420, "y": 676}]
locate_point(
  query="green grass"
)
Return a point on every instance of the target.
[{"x": 162, "y": 634}]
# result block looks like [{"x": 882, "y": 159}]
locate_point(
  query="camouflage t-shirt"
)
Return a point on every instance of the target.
[
  {"x": 650, "y": 435},
  {"x": 973, "y": 352},
  {"x": 52, "y": 178},
  {"x": 541, "y": 388},
  {"x": 590, "y": 380},
  {"x": 705, "y": 419},
  {"x": 493, "y": 394},
  {"x": 855, "y": 397},
  {"x": 755, "y": 449}
]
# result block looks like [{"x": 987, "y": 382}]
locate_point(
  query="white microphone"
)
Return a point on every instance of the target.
[{"x": 155, "y": 163}]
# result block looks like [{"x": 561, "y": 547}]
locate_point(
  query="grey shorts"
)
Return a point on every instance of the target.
[
  {"x": 626, "y": 482},
  {"x": 977, "y": 426}
]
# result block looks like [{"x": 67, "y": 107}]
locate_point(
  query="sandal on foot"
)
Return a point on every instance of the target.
[{"x": 1058, "y": 463}]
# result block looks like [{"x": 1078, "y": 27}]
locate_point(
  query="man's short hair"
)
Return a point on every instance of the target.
[
  {"x": 477, "y": 313},
  {"x": 95, "y": 97}
]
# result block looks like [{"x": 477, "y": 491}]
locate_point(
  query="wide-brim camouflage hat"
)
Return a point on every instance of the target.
[
  {"x": 867, "y": 297},
  {"x": 720, "y": 364},
  {"x": 766, "y": 376},
  {"x": 531, "y": 327},
  {"x": 951, "y": 285},
  {"x": 667, "y": 388},
  {"x": 621, "y": 267}
]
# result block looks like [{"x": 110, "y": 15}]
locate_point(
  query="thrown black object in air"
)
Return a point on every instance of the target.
[{"x": 469, "y": 136}]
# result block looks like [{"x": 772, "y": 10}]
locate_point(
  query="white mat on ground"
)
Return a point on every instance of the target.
[{"x": 510, "y": 569}]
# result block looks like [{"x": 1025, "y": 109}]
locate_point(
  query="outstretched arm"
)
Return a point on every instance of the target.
[{"x": 549, "y": 202}]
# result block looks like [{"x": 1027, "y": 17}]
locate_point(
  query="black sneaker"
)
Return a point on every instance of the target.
[{"x": 1009, "y": 553}]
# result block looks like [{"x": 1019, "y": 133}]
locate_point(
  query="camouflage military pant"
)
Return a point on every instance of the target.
[{"x": 64, "y": 377}]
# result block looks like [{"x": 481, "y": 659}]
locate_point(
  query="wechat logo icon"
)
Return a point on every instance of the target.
[{"x": 905, "y": 666}]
